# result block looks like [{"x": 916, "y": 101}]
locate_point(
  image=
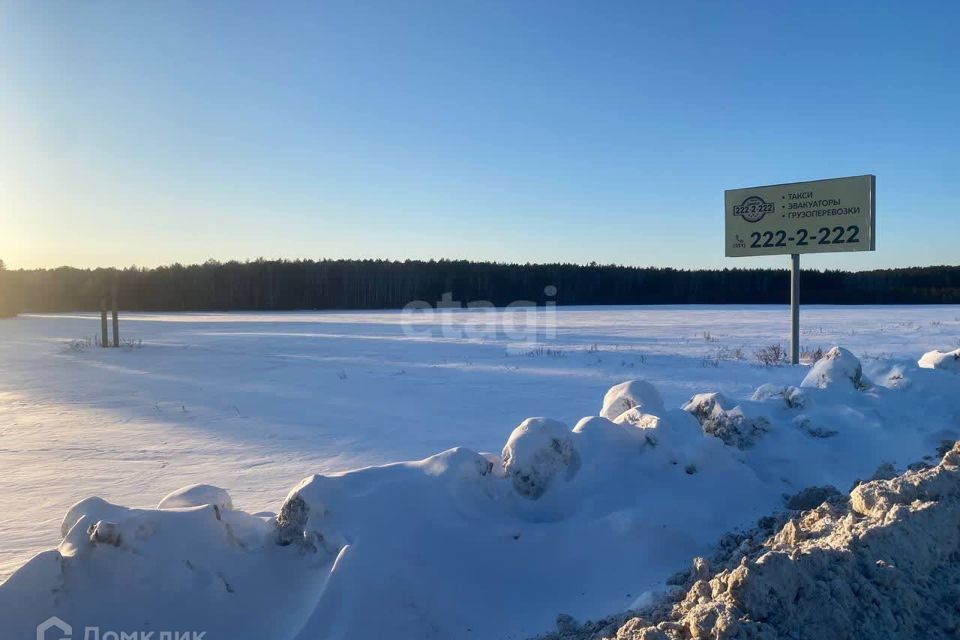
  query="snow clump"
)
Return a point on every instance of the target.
[
  {"x": 836, "y": 366},
  {"x": 537, "y": 451},
  {"x": 734, "y": 426},
  {"x": 197, "y": 495},
  {"x": 793, "y": 397},
  {"x": 949, "y": 361},
  {"x": 632, "y": 394}
]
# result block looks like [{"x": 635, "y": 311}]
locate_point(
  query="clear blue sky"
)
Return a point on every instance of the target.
[{"x": 153, "y": 132}]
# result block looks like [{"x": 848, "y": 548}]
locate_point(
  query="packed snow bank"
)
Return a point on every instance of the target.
[
  {"x": 587, "y": 520},
  {"x": 881, "y": 564},
  {"x": 181, "y": 569}
]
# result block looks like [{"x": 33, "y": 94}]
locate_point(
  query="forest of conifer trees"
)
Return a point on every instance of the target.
[{"x": 379, "y": 284}]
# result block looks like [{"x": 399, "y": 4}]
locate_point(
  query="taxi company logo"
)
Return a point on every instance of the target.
[{"x": 753, "y": 209}]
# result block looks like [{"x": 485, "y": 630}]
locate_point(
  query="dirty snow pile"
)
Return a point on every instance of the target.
[
  {"x": 586, "y": 521},
  {"x": 881, "y": 563}
]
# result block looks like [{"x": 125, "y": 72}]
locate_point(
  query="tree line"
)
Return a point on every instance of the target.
[{"x": 276, "y": 285}]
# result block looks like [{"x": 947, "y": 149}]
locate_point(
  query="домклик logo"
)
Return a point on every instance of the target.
[{"x": 61, "y": 630}]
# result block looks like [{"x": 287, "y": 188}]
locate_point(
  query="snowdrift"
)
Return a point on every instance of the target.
[{"x": 588, "y": 521}]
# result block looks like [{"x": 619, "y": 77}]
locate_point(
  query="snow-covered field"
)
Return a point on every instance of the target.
[{"x": 586, "y": 522}]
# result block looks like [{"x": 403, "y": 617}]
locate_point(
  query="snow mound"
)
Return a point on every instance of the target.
[
  {"x": 197, "y": 495},
  {"x": 767, "y": 391},
  {"x": 881, "y": 565},
  {"x": 643, "y": 440},
  {"x": 96, "y": 505},
  {"x": 793, "y": 397},
  {"x": 597, "y": 434},
  {"x": 949, "y": 361},
  {"x": 633, "y": 394},
  {"x": 896, "y": 378},
  {"x": 637, "y": 418},
  {"x": 837, "y": 366},
  {"x": 737, "y": 427},
  {"x": 537, "y": 451},
  {"x": 121, "y": 567}
]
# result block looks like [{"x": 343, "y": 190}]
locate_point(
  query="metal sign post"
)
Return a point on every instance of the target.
[
  {"x": 116, "y": 320},
  {"x": 104, "y": 337},
  {"x": 794, "y": 308},
  {"x": 103, "y": 322},
  {"x": 821, "y": 216}
]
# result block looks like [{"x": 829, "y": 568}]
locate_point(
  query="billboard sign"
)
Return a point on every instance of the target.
[{"x": 820, "y": 216}]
